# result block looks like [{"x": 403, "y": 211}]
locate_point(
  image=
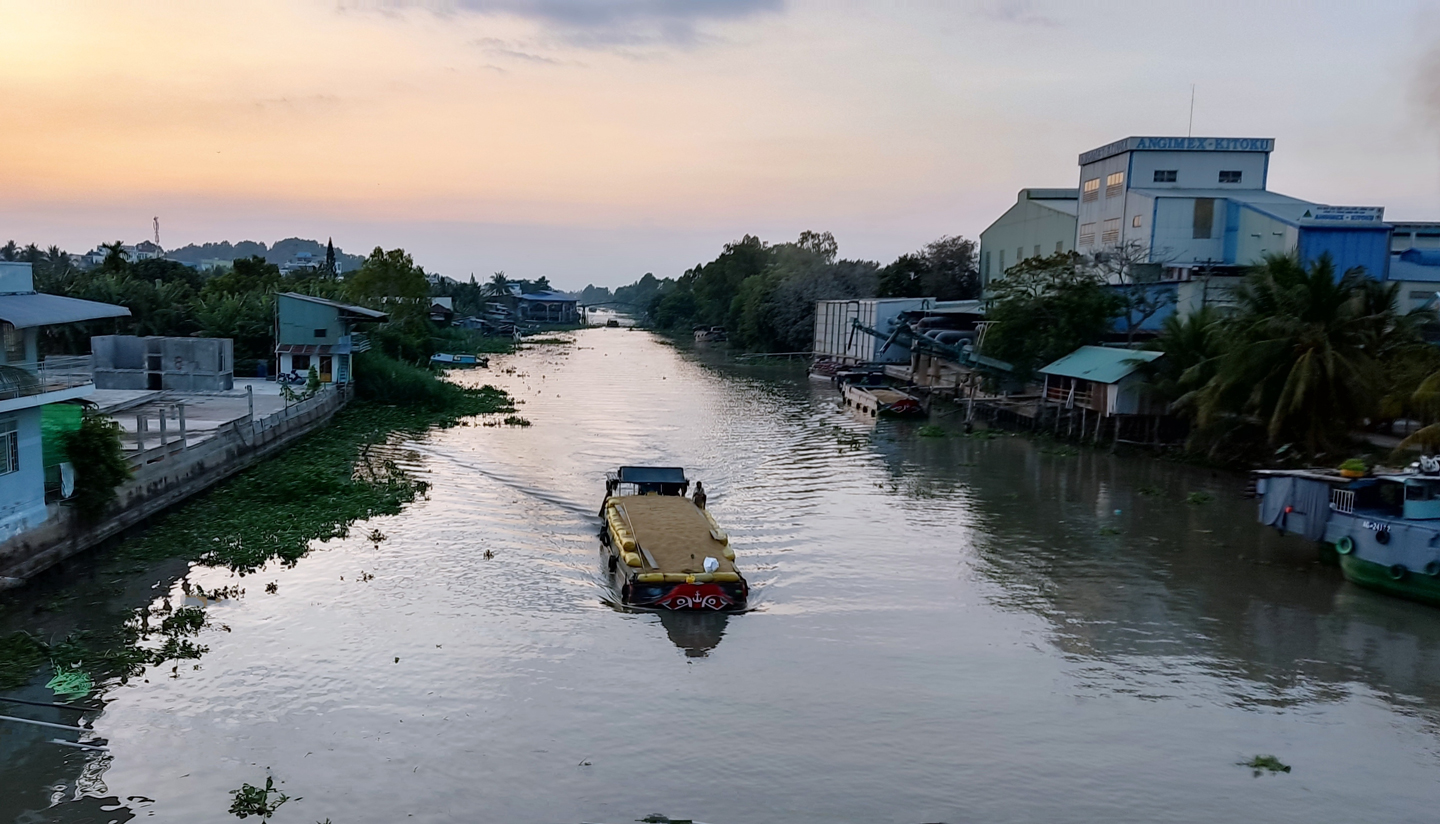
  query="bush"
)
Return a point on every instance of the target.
[
  {"x": 99, "y": 460},
  {"x": 384, "y": 379}
]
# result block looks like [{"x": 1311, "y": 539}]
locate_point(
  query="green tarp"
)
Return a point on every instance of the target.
[{"x": 56, "y": 419}]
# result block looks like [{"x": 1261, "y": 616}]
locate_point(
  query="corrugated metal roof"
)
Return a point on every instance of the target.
[
  {"x": 1402, "y": 269},
  {"x": 652, "y": 475},
  {"x": 555, "y": 297},
  {"x": 344, "y": 307},
  {"x": 1100, "y": 364},
  {"x": 25, "y": 311}
]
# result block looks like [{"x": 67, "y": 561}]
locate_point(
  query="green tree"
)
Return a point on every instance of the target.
[
  {"x": 390, "y": 275},
  {"x": 247, "y": 275},
  {"x": 95, "y": 451},
  {"x": 1301, "y": 354},
  {"x": 951, "y": 272},
  {"x": 498, "y": 286},
  {"x": 117, "y": 260},
  {"x": 1046, "y": 308},
  {"x": 904, "y": 278}
]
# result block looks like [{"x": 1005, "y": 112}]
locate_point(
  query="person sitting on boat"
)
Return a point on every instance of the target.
[{"x": 699, "y": 494}]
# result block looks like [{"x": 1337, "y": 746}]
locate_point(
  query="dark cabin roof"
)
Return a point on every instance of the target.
[
  {"x": 27, "y": 310},
  {"x": 355, "y": 312},
  {"x": 652, "y": 475}
]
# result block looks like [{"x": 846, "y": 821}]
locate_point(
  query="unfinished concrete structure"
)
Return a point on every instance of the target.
[{"x": 155, "y": 363}]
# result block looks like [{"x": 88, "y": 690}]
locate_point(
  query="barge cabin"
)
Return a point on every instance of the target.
[{"x": 664, "y": 550}]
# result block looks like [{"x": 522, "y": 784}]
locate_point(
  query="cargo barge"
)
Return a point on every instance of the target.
[{"x": 665, "y": 550}]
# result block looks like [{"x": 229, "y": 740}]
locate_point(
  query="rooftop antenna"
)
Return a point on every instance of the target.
[
  {"x": 157, "y": 230},
  {"x": 1190, "y": 130}
]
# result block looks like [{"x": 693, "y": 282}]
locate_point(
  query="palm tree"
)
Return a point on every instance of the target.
[
  {"x": 116, "y": 258},
  {"x": 498, "y": 286},
  {"x": 1301, "y": 353}
]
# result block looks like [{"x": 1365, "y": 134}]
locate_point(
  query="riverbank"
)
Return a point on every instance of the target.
[{"x": 313, "y": 491}]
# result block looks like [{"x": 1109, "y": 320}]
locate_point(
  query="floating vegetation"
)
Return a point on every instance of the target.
[
  {"x": 1149, "y": 491},
  {"x": 1109, "y": 530},
  {"x": 547, "y": 340},
  {"x": 252, "y": 800},
  {"x": 1199, "y": 498},
  {"x": 376, "y": 537},
  {"x": 1060, "y": 451},
  {"x": 515, "y": 420},
  {"x": 984, "y": 434},
  {"x": 932, "y": 431},
  {"x": 20, "y": 655},
  {"x": 1265, "y": 763},
  {"x": 656, "y": 818}
]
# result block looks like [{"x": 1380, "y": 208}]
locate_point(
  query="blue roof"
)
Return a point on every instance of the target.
[
  {"x": 652, "y": 475},
  {"x": 27, "y": 310},
  {"x": 1402, "y": 269},
  {"x": 555, "y": 297},
  {"x": 1100, "y": 364}
]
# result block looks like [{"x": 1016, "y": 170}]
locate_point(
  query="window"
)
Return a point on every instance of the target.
[
  {"x": 1059, "y": 246},
  {"x": 1230, "y": 177},
  {"x": 1114, "y": 184},
  {"x": 1135, "y": 221},
  {"x": 1204, "y": 217},
  {"x": 1037, "y": 250},
  {"x": 1166, "y": 175},
  {"x": 1090, "y": 189},
  {"x": 1087, "y": 234},
  {"x": 320, "y": 333},
  {"x": 14, "y": 343},
  {"x": 1110, "y": 232},
  {"x": 985, "y": 263},
  {"x": 9, "y": 446},
  {"x": 299, "y": 362}
]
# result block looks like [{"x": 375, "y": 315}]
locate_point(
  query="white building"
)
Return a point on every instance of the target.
[
  {"x": 1201, "y": 203},
  {"x": 1041, "y": 223},
  {"x": 28, "y": 383}
]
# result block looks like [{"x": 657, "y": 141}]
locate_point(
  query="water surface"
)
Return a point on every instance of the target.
[{"x": 944, "y": 629}]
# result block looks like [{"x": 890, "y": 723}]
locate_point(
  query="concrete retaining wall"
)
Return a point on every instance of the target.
[{"x": 164, "y": 482}]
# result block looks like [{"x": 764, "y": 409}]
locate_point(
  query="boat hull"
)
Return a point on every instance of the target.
[
  {"x": 1414, "y": 585},
  {"x": 698, "y": 597}
]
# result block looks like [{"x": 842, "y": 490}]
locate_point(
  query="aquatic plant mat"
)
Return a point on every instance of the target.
[{"x": 314, "y": 490}]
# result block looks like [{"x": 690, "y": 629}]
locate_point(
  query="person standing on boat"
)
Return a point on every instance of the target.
[{"x": 699, "y": 494}]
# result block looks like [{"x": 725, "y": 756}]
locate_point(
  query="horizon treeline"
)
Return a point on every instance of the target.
[{"x": 764, "y": 294}]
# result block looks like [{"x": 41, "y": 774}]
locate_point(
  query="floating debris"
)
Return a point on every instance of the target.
[
  {"x": 1199, "y": 498},
  {"x": 1266, "y": 763},
  {"x": 251, "y": 800},
  {"x": 272, "y": 587}
]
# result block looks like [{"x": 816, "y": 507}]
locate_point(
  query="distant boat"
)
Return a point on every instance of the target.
[
  {"x": 612, "y": 323},
  {"x": 444, "y": 359},
  {"x": 710, "y": 334}
]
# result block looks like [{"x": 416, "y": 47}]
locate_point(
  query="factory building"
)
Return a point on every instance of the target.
[
  {"x": 1188, "y": 210},
  {"x": 1041, "y": 223}
]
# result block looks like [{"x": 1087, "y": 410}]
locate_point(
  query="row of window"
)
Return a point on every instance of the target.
[
  {"x": 1019, "y": 255},
  {"x": 1115, "y": 183}
]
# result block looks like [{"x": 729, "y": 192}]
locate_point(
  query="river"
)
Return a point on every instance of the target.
[{"x": 943, "y": 630}]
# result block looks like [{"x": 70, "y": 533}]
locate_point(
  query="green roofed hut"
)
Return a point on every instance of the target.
[{"x": 1099, "y": 384}]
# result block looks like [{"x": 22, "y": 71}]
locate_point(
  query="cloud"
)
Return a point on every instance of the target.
[
  {"x": 1019, "y": 12},
  {"x": 504, "y": 48},
  {"x": 601, "y": 23}
]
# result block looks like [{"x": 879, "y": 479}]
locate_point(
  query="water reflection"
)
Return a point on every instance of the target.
[{"x": 695, "y": 632}]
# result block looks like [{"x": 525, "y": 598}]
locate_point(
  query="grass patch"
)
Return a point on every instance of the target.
[{"x": 314, "y": 490}]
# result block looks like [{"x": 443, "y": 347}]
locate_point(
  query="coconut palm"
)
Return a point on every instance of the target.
[
  {"x": 498, "y": 286},
  {"x": 1301, "y": 354}
]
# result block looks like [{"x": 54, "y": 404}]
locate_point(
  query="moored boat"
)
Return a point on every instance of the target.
[
  {"x": 710, "y": 334},
  {"x": 447, "y": 359},
  {"x": 880, "y": 400},
  {"x": 665, "y": 550},
  {"x": 1384, "y": 529}
]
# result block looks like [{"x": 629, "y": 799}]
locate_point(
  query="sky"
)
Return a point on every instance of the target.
[{"x": 594, "y": 141}]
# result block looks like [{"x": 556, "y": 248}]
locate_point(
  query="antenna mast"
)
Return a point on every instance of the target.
[
  {"x": 157, "y": 231},
  {"x": 1190, "y": 130}
]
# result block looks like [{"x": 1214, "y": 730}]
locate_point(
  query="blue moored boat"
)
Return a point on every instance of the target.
[{"x": 1384, "y": 529}]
